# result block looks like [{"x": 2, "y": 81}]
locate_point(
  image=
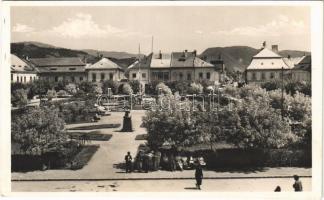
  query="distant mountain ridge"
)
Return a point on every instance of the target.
[{"x": 236, "y": 58}]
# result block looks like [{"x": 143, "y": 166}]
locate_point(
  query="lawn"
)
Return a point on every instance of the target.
[
  {"x": 141, "y": 137},
  {"x": 83, "y": 157},
  {"x": 92, "y": 135},
  {"x": 91, "y": 127}
]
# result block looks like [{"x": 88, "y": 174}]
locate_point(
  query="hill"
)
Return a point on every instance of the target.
[
  {"x": 40, "y": 50},
  {"x": 111, "y": 54},
  {"x": 237, "y": 58}
]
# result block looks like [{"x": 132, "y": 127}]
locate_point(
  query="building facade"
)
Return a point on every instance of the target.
[
  {"x": 22, "y": 71},
  {"x": 67, "y": 69},
  {"x": 104, "y": 70},
  {"x": 268, "y": 65},
  {"x": 176, "y": 66}
]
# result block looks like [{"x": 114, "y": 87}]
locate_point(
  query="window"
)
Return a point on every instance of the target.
[
  {"x": 111, "y": 76},
  {"x": 73, "y": 68},
  {"x": 271, "y": 75},
  {"x": 21, "y": 79},
  {"x": 188, "y": 77},
  {"x": 13, "y": 65},
  {"x": 11, "y": 77},
  {"x": 143, "y": 75},
  {"x": 208, "y": 75},
  {"x": 94, "y": 77},
  {"x": 102, "y": 76},
  {"x": 18, "y": 79},
  {"x": 81, "y": 78},
  {"x": 72, "y": 79},
  {"x": 30, "y": 79},
  {"x": 263, "y": 76},
  {"x": 56, "y": 78},
  {"x": 200, "y": 75},
  {"x": 24, "y": 79},
  {"x": 34, "y": 78},
  {"x": 19, "y": 65},
  {"x": 253, "y": 76},
  {"x": 166, "y": 76},
  {"x": 53, "y": 69},
  {"x": 180, "y": 76},
  {"x": 262, "y": 63},
  {"x": 134, "y": 75}
]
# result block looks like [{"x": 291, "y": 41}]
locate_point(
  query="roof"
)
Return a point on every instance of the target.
[
  {"x": 103, "y": 64},
  {"x": 63, "y": 61},
  {"x": 19, "y": 65},
  {"x": 161, "y": 62},
  {"x": 182, "y": 59},
  {"x": 266, "y": 53},
  {"x": 201, "y": 63},
  {"x": 305, "y": 63},
  {"x": 145, "y": 62},
  {"x": 291, "y": 62},
  {"x": 270, "y": 63}
]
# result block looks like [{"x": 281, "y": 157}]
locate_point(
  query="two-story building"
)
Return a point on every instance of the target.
[
  {"x": 268, "y": 65},
  {"x": 22, "y": 71},
  {"x": 104, "y": 69},
  {"x": 176, "y": 66}
]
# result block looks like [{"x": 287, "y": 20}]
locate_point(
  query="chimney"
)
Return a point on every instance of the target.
[
  {"x": 194, "y": 53},
  {"x": 264, "y": 44},
  {"x": 160, "y": 55},
  {"x": 274, "y": 48},
  {"x": 288, "y": 56},
  {"x": 186, "y": 53}
]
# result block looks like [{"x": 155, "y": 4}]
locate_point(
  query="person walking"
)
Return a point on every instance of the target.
[
  {"x": 297, "y": 185},
  {"x": 128, "y": 160},
  {"x": 198, "y": 175}
]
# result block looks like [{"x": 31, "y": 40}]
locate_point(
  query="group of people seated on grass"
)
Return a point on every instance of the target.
[{"x": 146, "y": 161}]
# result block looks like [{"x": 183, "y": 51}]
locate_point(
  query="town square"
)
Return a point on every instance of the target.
[{"x": 101, "y": 103}]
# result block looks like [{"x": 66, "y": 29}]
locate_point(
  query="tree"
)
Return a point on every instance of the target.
[
  {"x": 136, "y": 86},
  {"x": 195, "y": 88},
  {"x": 19, "y": 98},
  {"x": 38, "y": 131},
  {"x": 163, "y": 88},
  {"x": 110, "y": 84},
  {"x": 40, "y": 87},
  {"x": 86, "y": 87},
  {"x": 127, "y": 89}
]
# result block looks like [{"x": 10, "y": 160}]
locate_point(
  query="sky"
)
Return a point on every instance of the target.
[{"x": 174, "y": 28}]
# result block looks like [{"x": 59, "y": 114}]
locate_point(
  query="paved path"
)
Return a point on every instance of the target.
[
  {"x": 111, "y": 153},
  {"x": 220, "y": 185}
]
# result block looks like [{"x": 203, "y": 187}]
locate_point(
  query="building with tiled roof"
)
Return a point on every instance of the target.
[
  {"x": 22, "y": 71},
  {"x": 268, "y": 65},
  {"x": 69, "y": 69},
  {"x": 175, "y": 66},
  {"x": 104, "y": 69}
]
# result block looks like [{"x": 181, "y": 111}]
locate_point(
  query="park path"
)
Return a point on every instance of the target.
[{"x": 112, "y": 152}]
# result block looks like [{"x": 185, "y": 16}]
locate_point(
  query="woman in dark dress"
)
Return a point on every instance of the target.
[{"x": 198, "y": 175}]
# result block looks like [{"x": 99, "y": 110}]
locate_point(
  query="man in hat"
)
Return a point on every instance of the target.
[{"x": 198, "y": 175}]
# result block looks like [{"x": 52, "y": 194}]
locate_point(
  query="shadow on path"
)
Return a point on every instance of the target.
[{"x": 99, "y": 126}]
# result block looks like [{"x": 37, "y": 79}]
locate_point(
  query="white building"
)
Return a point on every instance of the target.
[
  {"x": 21, "y": 71},
  {"x": 268, "y": 65},
  {"x": 103, "y": 70}
]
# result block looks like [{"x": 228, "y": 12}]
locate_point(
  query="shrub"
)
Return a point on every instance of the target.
[
  {"x": 51, "y": 94},
  {"x": 61, "y": 93},
  {"x": 19, "y": 98},
  {"x": 71, "y": 89},
  {"x": 195, "y": 88},
  {"x": 136, "y": 86}
]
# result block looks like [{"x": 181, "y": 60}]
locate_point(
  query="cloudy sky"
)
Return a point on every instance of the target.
[{"x": 173, "y": 28}]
